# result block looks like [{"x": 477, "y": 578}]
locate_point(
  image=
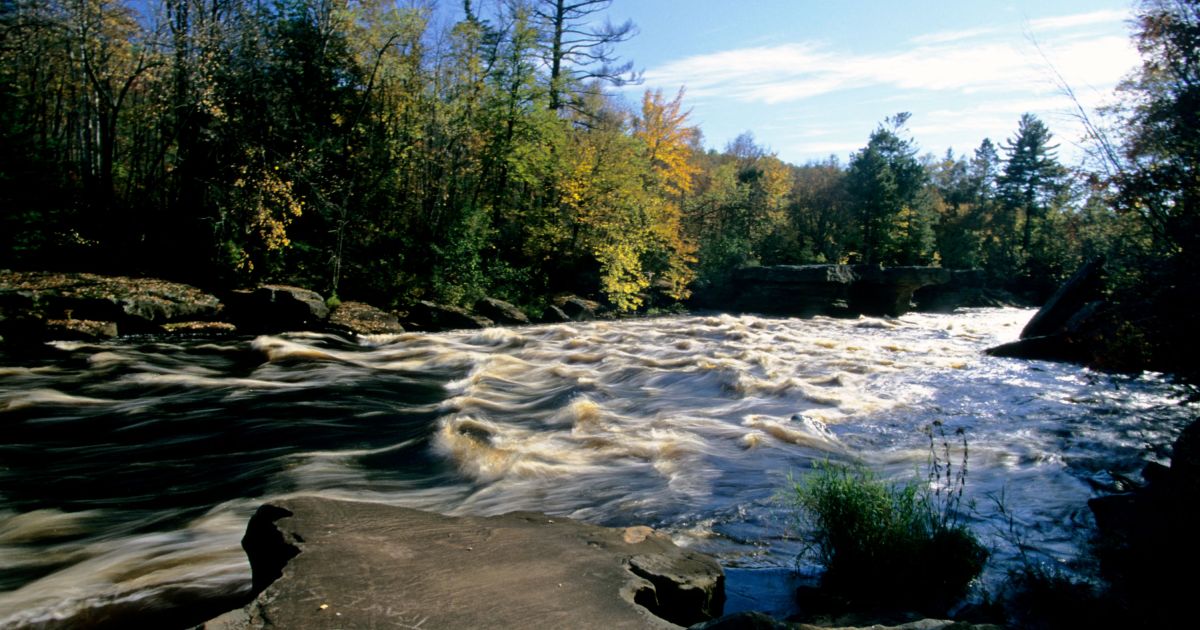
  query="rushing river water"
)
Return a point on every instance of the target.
[{"x": 131, "y": 467}]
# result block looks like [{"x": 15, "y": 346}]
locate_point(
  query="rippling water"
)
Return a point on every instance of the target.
[{"x": 129, "y": 468}]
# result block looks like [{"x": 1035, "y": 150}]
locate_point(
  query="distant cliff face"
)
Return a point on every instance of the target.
[{"x": 836, "y": 290}]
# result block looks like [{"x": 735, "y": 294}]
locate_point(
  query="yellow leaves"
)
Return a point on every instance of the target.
[
  {"x": 621, "y": 276},
  {"x": 267, "y": 203},
  {"x": 668, "y": 141}
]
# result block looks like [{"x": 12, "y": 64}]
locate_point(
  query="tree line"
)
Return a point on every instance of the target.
[{"x": 362, "y": 149}]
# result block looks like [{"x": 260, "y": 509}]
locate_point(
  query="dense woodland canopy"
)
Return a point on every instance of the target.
[{"x": 355, "y": 147}]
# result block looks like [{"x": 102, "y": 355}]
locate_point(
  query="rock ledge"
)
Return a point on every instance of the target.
[{"x": 364, "y": 565}]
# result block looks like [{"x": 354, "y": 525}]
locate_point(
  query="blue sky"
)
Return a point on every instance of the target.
[{"x": 813, "y": 78}]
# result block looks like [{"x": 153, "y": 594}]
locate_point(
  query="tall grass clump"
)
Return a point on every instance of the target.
[{"x": 892, "y": 544}]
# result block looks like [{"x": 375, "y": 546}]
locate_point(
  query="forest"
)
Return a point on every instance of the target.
[{"x": 366, "y": 150}]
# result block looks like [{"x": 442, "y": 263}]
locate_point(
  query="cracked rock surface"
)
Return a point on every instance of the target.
[{"x": 324, "y": 563}]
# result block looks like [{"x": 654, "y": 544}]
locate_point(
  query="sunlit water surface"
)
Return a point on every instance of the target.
[{"x": 132, "y": 466}]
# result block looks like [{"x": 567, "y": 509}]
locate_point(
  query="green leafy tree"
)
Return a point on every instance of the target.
[{"x": 1158, "y": 180}]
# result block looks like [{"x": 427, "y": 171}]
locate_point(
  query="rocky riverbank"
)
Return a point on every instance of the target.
[{"x": 40, "y": 306}]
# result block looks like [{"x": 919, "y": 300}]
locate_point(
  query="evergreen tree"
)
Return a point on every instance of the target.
[
  {"x": 887, "y": 183},
  {"x": 1031, "y": 184}
]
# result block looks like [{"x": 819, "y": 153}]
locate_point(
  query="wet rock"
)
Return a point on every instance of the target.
[
  {"x": 433, "y": 317},
  {"x": 1057, "y": 347},
  {"x": 200, "y": 328},
  {"x": 80, "y": 329},
  {"x": 501, "y": 312},
  {"x": 276, "y": 308},
  {"x": 29, "y": 300},
  {"x": 578, "y": 309},
  {"x": 363, "y": 319},
  {"x": 322, "y": 563},
  {"x": 554, "y": 315}
]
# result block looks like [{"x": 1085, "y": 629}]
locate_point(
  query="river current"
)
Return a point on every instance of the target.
[{"x": 129, "y": 468}]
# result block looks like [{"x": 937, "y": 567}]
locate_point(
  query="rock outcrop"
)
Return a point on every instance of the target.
[
  {"x": 967, "y": 288},
  {"x": 1147, "y": 326},
  {"x": 577, "y": 309},
  {"x": 1148, "y": 537},
  {"x": 835, "y": 290},
  {"x": 323, "y": 563},
  {"x": 39, "y": 305}
]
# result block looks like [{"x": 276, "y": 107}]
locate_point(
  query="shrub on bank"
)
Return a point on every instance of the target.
[{"x": 888, "y": 544}]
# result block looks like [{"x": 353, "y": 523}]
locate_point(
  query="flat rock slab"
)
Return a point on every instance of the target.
[
  {"x": 138, "y": 304},
  {"x": 344, "y": 564}
]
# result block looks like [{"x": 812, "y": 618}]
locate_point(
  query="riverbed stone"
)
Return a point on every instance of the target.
[
  {"x": 578, "y": 309},
  {"x": 276, "y": 308},
  {"x": 501, "y": 312},
  {"x": 324, "y": 563},
  {"x": 433, "y": 317},
  {"x": 360, "y": 318}
]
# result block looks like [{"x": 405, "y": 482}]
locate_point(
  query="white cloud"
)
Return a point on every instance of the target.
[
  {"x": 952, "y": 62},
  {"x": 1077, "y": 20},
  {"x": 945, "y": 37}
]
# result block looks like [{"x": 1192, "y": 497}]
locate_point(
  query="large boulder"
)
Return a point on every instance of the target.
[
  {"x": 577, "y": 309},
  {"x": 323, "y": 563},
  {"x": 501, "y": 312},
  {"x": 433, "y": 317},
  {"x": 1143, "y": 326},
  {"x": 42, "y": 304},
  {"x": 359, "y": 318},
  {"x": 1083, "y": 287},
  {"x": 277, "y": 308}
]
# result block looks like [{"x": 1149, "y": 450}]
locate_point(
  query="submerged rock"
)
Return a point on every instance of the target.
[{"x": 321, "y": 563}]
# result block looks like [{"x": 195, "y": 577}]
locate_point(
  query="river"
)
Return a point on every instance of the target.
[{"x": 130, "y": 467}]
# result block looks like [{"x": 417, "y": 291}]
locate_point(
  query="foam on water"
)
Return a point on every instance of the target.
[{"x": 132, "y": 466}]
